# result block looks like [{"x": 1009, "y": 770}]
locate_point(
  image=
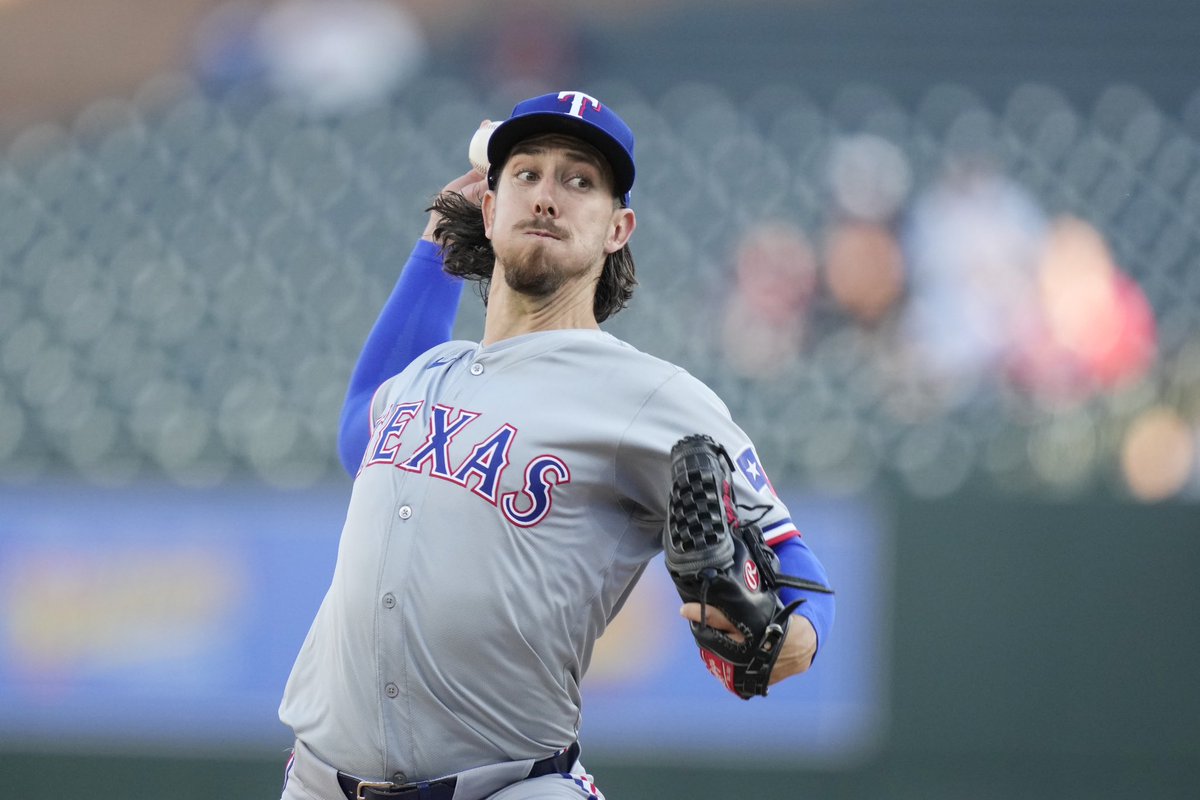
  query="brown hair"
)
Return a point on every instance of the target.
[{"x": 467, "y": 253}]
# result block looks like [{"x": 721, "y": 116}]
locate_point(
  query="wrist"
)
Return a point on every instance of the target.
[
  {"x": 799, "y": 647},
  {"x": 427, "y": 235}
]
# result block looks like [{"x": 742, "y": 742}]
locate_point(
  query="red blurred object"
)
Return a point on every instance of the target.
[{"x": 1095, "y": 330}]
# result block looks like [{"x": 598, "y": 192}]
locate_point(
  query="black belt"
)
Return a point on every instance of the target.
[{"x": 443, "y": 789}]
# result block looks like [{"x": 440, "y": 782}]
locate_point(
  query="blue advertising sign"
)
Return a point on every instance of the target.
[{"x": 158, "y": 617}]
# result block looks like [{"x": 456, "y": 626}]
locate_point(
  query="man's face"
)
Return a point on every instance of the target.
[{"x": 552, "y": 217}]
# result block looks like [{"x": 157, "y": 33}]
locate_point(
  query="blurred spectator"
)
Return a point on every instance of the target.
[
  {"x": 869, "y": 177},
  {"x": 329, "y": 55},
  {"x": 1097, "y": 330},
  {"x": 225, "y": 45},
  {"x": 869, "y": 180},
  {"x": 972, "y": 244},
  {"x": 775, "y": 273},
  {"x": 864, "y": 270},
  {"x": 1158, "y": 455}
]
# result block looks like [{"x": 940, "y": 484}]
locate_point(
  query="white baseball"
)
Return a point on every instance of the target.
[{"x": 477, "y": 151}]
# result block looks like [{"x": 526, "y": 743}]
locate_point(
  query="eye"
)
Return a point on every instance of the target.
[
  {"x": 582, "y": 182},
  {"x": 526, "y": 175}
]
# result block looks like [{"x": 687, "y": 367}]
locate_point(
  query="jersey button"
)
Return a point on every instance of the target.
[
  {"x": 405, "y": 512},
  {"x": 399, "y": 778},
  {"x": 391, "y": 690},
  {"x": 477, "y": 368},
  {"x": 389, "y": 600}
]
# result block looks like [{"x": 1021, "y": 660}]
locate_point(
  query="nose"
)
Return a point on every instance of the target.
[{"x": 544, "y": 204}]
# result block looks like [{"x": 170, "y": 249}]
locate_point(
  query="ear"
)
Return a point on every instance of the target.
[
  {"x": 623, "y": 223},
  {"x": 488, "y": 205}
]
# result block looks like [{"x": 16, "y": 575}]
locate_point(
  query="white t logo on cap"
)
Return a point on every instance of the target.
[{"x": 579, "y": 102}]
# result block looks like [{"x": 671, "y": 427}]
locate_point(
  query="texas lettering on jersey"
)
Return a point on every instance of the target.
[{"x": 480, "y": 471}]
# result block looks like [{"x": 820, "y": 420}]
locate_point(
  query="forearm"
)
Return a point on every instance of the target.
[{"x": 796, "y": 559}]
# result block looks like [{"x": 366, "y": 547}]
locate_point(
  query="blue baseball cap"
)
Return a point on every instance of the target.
[{"x": 572, "y": 114}]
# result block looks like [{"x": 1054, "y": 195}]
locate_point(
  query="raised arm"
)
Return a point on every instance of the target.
[{"x": 418, "y": 315}]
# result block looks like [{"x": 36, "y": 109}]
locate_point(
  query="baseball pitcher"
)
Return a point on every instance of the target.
[{"x": 508, "y": 493}]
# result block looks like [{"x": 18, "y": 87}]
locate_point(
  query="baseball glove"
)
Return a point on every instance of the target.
[{"x": 719, "y": 560}]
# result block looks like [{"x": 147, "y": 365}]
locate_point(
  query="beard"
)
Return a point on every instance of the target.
[
  {"x": 530, "y": 271},
  {"x": 537, "y": 267}
]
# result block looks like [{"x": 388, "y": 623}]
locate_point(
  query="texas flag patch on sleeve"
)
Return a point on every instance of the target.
[{"x": 748, "y": 464}]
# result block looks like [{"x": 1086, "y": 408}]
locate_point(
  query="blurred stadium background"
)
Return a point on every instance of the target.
[{"x": 943, "y": 261}]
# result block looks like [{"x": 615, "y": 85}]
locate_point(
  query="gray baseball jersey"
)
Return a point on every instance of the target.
[{"x": 508, "y": 500}]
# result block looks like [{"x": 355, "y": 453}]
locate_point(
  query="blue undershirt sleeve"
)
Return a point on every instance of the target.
[
  {"x": 418, "y": 315},
  {"x": 797, "y": 560}
]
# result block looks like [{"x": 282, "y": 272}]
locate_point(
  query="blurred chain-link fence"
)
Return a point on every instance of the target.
[{"x": 1012, "y": 301}]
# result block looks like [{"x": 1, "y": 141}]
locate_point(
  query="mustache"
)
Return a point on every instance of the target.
[{"x": 543, "y": 227}]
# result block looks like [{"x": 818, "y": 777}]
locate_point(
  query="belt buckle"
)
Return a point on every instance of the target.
[{"x": 384, "y": 785}]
